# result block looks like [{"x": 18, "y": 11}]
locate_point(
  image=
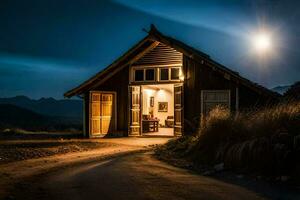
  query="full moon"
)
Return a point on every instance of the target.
[{"x": 262, "y": 42}]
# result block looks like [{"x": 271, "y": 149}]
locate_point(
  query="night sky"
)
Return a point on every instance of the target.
[{"x": 48, "y": 47}]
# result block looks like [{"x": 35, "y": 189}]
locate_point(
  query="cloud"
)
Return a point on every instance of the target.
[
  {"x": 228, "y": 17},
  {"x": 38, "y": 77},
  {"x": 10, "y": 62}
]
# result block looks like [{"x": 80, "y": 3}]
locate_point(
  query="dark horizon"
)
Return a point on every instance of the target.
[
  {"x": 38, "y": 98},
  {"x": 49, "y": 47}
]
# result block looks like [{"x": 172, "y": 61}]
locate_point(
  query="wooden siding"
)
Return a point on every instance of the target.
[
  {"x": 160, "y": 55},
  {"x": 117, "y": 83},
  {"x": 199, "y": 76},
  {"x": 249, "y": 100}
]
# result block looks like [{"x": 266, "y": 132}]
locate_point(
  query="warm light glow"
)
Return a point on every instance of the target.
[
  {"x": 262, "y": 42},
  {"x": 149, "y": 92},
  {"x": 181, "y": 77}
]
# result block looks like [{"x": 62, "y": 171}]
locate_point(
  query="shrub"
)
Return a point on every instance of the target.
[
  {"x": 218, "y": 131},
  {"x": 265, "y": 141}
]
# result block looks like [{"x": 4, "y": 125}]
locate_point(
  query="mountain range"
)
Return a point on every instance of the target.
[
  {"x": 43, "y": 114},
  {"x": 281, "y": 89},
  {"x": 48, "y": 106},
  {"x": 14, "y": 117}
]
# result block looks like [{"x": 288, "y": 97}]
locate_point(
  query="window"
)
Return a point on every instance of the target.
[
  {"x": 150, "y": 74},
  {"x": 153, "y": 74},
  {"x": 212, "y": 98},
  {"x": 174, "y": 73},
  {"x": 164, "y": 74},
  {"x": 139, "y": 75}
]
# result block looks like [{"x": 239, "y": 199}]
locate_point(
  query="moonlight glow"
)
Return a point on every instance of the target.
[{"x": 262, "y": 42}]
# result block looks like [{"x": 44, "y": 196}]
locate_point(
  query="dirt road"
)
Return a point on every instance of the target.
[{"x": 130, "y": 174}]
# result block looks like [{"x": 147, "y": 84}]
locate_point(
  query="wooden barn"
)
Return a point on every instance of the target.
[{"x": 162, "y": 86}]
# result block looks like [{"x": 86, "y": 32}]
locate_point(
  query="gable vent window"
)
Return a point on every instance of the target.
[
  {"x": 164, "y": 74},
  {"x": 139, "y": 75},
  {"x": 150, "y": 74},
  {"x": 174, "y": 73}
]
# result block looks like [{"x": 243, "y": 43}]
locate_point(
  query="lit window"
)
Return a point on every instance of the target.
[
  {"x": 150, "y": 74},
  {"x": 139, "y": 75},
  {"x": 174, "y": 73},
  {"x": 164, "y": 74}
]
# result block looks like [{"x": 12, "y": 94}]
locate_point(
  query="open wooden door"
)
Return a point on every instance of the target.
[
  {"x": 178, "y": 109},
  {"x": 102, "y": 113},
  {"x": 135, "y": 111}
]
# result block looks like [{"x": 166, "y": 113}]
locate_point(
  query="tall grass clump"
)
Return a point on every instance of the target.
[
  {"x": 265, "y": 141},
  {"x": 218, "y": 131}
]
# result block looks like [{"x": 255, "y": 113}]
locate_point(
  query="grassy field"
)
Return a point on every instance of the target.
[{"x": 262, "y": 142}]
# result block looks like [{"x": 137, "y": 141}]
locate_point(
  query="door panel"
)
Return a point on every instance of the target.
[
  {"x": 178, "y": 109},
  {"x": 135, "y": 109},
  {"x": 105, "y": 125},
  {"x": 106, "y": 112},
  {"x": 95, "y": 128},
  {"x": 101, "y": 113}
]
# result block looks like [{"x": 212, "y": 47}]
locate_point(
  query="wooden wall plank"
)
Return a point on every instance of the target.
[{"x": 160, "y": 55}]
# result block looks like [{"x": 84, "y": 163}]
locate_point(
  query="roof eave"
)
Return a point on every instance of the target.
[{"x": 79, "y": 89}]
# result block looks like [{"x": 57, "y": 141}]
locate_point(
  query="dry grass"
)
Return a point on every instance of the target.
[{"x": 264, "y": 141}]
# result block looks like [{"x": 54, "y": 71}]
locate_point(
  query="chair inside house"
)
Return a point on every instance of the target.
[{"x": 169, "y": 122}]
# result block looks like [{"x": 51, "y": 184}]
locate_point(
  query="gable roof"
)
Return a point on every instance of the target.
[{"x": 153, "y": 39}]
